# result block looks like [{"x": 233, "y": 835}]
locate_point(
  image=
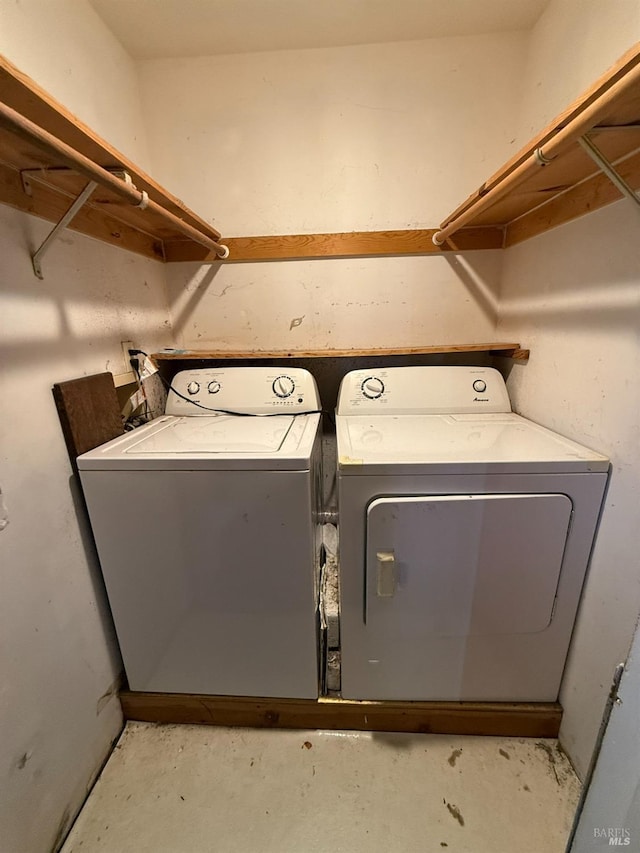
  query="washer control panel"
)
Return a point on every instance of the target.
[
  {"x": 246, "y": 390},
  {"x": 423, "y": 390}
]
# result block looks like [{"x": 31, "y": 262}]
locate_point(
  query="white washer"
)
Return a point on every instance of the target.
[
  {"x": 465, "y": 534},
  {"x": 206, "y": 529}
]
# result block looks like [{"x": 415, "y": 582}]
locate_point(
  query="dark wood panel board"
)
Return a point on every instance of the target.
[
  {"x": 506, "y": 719},
  {"x": 89, "y": 412}
]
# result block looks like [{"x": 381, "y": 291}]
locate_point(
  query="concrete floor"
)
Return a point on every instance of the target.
[{"x": 195, "y": 789}]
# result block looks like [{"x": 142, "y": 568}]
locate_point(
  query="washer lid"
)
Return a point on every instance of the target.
[
  {"x": 452, "y": 443},
  {"x": 217, "y": 434},
  {"x": 214, "y": 442}
]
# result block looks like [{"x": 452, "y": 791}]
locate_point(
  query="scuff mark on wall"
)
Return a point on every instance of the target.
[
  {"x": 455, "y": 812},
  {"x": 61, "y": 832},
  {"x": 4, "y": 513},
  {"x": 109, "y": 694},
  {"x": 22, "y": 761},
  {"x": 297, "y": 321},
  {"x": 223, "y": 291}
]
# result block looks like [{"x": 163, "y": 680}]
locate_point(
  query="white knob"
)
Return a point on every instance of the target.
[
  {"x": 193, "y": 387},
  {"x": 213, "y": 387},
  {"x": 480, "y": 385},
  {"x": 283, "y": 386},
  {"x": 372, "y": 387}
]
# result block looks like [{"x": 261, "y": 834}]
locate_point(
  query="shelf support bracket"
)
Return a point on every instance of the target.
[
  {"x": 37, "y": 256},
  {"x": 598, "y": 157}
]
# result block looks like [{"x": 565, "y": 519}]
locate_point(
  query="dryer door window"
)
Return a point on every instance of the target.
[{"x": 462, "y": 565}]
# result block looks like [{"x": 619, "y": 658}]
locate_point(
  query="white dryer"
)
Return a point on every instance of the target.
[
  {"x": 465, "y": 534},
  {"x": 205, "y": 522}
]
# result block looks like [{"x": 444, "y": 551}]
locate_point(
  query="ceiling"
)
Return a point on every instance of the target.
[{"x": 152, "y": 29}]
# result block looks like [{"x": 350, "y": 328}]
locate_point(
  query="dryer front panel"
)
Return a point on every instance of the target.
[{"x": 446, "y": 572}]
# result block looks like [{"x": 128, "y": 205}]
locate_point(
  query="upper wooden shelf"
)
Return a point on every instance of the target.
[
  {"x": 508, "y": 350},
  {"x": 52, "y": 182},
  {"x": 553, "y": 179},
  {"x": 47, "y": 157}
]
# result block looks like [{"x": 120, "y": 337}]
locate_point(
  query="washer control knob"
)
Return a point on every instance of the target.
[
  {"x": 213, "y": 387},
  {"x": 283, "y": 386},
  {"x": 372, "y": 387},
  {"x": 479, "y": 385},
  {"x": 193, "y": 387}
]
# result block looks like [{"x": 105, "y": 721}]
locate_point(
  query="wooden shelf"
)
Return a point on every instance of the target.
[
  {"x": 522, "y": 199},
  {"x": 348, "y": 244},
  {"x": 53, "y": 186},
  {"x": 526, "y": 198},
  {"x": 508, "y": 350}
]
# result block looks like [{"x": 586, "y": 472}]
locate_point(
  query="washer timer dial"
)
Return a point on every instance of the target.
[
  {"x": 480, "y": 386},
  {"x": 213, "y": 387},
  {"x": 283, "y": 386},
  {"x": 193, "y": 387},
  {"x": 372, "y": 387}
]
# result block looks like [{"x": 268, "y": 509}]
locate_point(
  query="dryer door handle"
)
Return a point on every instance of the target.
[{"x": 387, "y": 579}]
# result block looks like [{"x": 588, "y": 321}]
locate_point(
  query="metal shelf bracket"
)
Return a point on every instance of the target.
[
  {"x": 598, "y": 157},
  {"x": 37, "y": 256},
  {"x": 27, "y": 175}
]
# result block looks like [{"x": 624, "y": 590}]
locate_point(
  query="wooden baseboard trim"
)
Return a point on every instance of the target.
[{"x": 518, "y": 719}]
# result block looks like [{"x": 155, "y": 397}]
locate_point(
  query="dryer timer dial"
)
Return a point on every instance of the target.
[{"x": 372, "y": 387}]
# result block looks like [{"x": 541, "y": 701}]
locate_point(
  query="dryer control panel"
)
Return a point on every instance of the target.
[
  {"x": 245, "y": 390},
  {"x": 423, "y": 390}
]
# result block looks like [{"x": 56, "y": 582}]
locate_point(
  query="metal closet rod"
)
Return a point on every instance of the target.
[
  {"x": 27, "y": 130},
  {"x": 576, "y": 128}
]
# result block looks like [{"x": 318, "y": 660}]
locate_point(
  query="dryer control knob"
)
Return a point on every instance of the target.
[
  {"x": 193, "y": 387},
  {"x": 283, "y": 386},
  {"x": 479, "y": 385},
  {"x": 372, "y": 387},
  {"x": 213, "y": 387}
]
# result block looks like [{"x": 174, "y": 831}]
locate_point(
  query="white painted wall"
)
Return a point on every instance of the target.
[
  {"x": 58, "y": 656},
  {"x": 334, "y": 139},
  {"x": 358, "y": 303},
  {"x": 356, "y": 138},
  {"x": 573, "y": 296}
]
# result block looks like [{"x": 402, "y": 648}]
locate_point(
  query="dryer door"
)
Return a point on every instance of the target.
[{"x": 443, "y": 572}]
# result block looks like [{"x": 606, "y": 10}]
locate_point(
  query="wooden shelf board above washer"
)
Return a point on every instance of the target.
[{"x": 508, "y": 350}]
